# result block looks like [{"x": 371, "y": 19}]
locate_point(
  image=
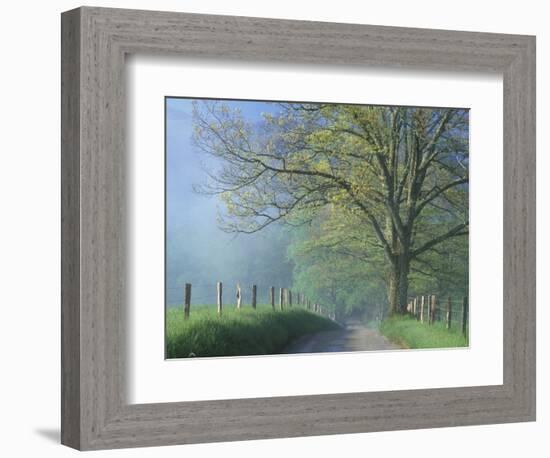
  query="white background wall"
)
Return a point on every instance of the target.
[{"x": 29, "y": 229}]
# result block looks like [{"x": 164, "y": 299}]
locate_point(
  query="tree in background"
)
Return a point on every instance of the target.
[
  {"x": 391, "y": 181},
  {"x": 336, "y": 263}
]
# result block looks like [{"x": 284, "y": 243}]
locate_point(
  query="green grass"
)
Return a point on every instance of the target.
[
  {"x": 410, "y": 333},
  {"x": 238, "y": 332}
]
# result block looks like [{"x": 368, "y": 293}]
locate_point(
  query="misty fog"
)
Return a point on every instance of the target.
[
  {"x": 197, "y": 250},
  {"x": 338, "y": 243}
]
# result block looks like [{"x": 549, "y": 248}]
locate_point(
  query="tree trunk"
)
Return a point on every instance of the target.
[
  {"x": 404, "y": 283},
  {"x": 392, "y": 289},
  {"x": 398, "y": 284}
]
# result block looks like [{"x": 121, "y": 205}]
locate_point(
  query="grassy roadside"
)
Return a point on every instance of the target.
[
  {"x": 238, "y": 332},
  {"x": 410, "y": 333}
]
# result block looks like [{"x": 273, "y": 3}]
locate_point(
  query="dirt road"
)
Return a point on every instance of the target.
[{"x": 354, "y": 336}]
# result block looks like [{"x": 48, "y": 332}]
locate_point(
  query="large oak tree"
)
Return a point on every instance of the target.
[{"x": 398, "y": 175}]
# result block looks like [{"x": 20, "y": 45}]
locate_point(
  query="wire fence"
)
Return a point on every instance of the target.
[
  {"x": 205, "y": 294},
  {"x": 279, "y": 298},
  {"x": 431, "y": 309}
]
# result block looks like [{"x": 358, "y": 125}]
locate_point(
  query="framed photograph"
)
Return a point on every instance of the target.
[
  {"x": 262, "y": 193},
  {"x": 280, "y": 228}
]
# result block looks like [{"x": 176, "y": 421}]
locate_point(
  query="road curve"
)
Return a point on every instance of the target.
[{"x": 353, "y": 336}]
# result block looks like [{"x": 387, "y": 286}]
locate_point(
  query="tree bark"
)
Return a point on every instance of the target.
[
  {"x": 403, "y": 286},
  {"x": 392, "y": 289},
  {"x": 398, "y": 284}
]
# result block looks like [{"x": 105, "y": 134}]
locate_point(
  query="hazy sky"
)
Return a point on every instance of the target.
[
  {"x": 183, "y": 159},
  {"x": 197, "y": 250}
]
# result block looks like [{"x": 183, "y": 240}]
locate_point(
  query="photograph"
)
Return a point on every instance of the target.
[{"x": 311, "y": 227}]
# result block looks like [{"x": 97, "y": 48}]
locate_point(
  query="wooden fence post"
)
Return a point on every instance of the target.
[
  {"x": 422, "y": 309},
  {"x": 433, "y": 306},
  {"x": 219, "y": 287},
  {"x": 464, "y": 314},
  {"x": 449, "y": 312},
  {"x": 281, "y": 298},
  {"x": 272, "y": 297},
  {"x": 290, "y": 298},
  {"x": 254, "y": 290},
  {"x": 187, "y": 303},
  {"x": 239, "y": 296}
]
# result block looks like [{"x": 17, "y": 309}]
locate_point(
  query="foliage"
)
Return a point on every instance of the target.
[
  {"x": 386, "y": 185},
  {"x": 332, "y": 264},
  {"x": 238, "y": 332}
]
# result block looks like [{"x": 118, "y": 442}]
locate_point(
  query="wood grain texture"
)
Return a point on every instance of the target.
[
  {"x": 70, "y": 229},
  {"x": 95, "y": 411}
]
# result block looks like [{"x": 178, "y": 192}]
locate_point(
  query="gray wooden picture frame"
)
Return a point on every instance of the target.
[{"x": 95, "y": 412}]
